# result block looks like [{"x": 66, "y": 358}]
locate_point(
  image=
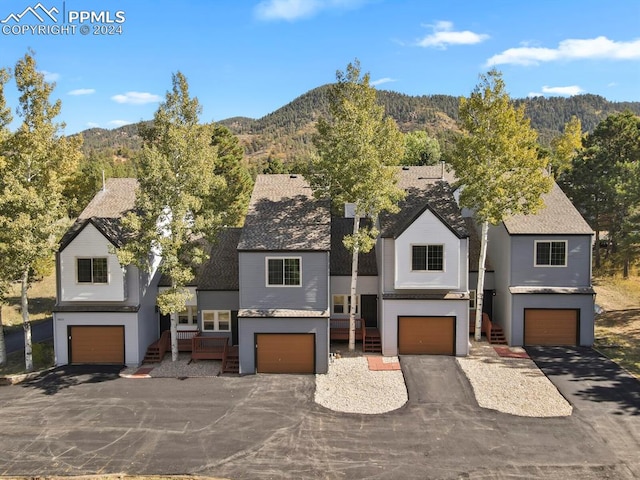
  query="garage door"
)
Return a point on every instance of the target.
[
  {"x": 96, "y": 344},
  {"x": 285, "y": 352},
  {"x": 550, "y": 327},
  {"x": 426, "y": 335}
]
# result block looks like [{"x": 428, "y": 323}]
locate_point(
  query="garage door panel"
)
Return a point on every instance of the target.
[
  {"x": 426, "y": 335},
  {"x": 550, "y": 327},
  {"x": 97, "y": 344},
  {"x": 285, "y": 353}
]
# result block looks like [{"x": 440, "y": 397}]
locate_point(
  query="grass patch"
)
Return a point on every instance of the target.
[
  {"x": 42, "y": 298},
  {"x": 43, "y": 358},
  {"x": 617, "y": 330}
]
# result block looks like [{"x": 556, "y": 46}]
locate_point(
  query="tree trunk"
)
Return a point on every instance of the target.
[
  {"x": 484, "y": 237},
  {"x": 24, "y": 304},
  {"x": 597, "y": 249},
  {"x": 174, "y": 336},
  {"x": 354, "y": 283},
  {"x": 3, "y": 349}
]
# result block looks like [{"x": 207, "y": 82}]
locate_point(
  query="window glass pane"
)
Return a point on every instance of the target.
[
  {"x": 543, "y": 253},
  {"x": 435, "y": 257},
  {"x": 275, "y": 271},
  {"x": 338, "y": 304},
  {"x": 99, "y": 270},
  {"x": 558, "y": 253},
  {"x": 84, "y": 270},
  {"x": 292, "y": 271},
  {"x": 208, "y": 325},
  {"x": 183, "y": 317},
  {"x": 419, "y": 257},
  {"x": 224, "y": 321}
]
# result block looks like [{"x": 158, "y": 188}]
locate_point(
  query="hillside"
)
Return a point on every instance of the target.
[{"x": 286, "y": 133}]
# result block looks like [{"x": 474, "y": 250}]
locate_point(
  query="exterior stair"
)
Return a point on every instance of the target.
[
  {"x": 372, "y": 342},
  {"x": 155, "y": 351},
  {"x": 231, "y": 363},
  {"x": 497, "y": 336}
]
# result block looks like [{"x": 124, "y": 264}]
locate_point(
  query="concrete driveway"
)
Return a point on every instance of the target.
[{"x": 76, "y": 421}]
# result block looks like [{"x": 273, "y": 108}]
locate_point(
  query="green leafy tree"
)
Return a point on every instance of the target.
[
  {"x": 183, "y": 198},
  {"x": 356, "y": 146},
  {"x": 604, "y": 183},
  {"x": 37, "y": 161},
  {"x": 496, "y": 160},
  {"x": 420, "y": 149},
  {"x": 5, "y": 275},
  {"x": 565, "y": 147}
]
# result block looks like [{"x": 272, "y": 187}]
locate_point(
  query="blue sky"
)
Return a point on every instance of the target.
[{"x": 248, "y": 58}]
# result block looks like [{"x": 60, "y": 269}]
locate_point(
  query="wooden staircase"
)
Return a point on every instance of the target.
[
  {"x": 497, "y": 336},
  {"x": 231, "y": 361},
  {"x": 155, "y": 352},
  {"x": 372, "y": 343}
]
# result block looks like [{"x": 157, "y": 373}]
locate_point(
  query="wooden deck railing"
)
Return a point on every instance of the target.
[
  {"x": 184, "y": 339},
  {"x": 209, "y": 348},
  {"x": 339, "y": 329}
]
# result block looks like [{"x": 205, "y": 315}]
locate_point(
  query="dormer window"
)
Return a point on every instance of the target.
[
  {"x": 551, "y": 253},
  {"x": 92, "y": 270},
  {"x": 428, "y": 258}
]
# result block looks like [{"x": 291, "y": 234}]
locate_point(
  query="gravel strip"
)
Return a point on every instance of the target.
[
  {"x": 512, "y": 385},
  {"x": 181, "y": 368},
  {"x": 351, "y": 387}
]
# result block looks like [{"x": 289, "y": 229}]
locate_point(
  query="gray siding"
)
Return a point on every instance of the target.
[
  {"x": 584, "y": 303},
  {"x": 248, "y": 327},
  {"x": 218, "y": 300},
  {"x": 148, "y": 318},
  {"x": 312, "y": 295},
  {"x": 499, "y": 250},
  {"x": 576, "y": 274}
]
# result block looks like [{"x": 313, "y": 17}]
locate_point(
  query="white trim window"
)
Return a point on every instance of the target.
[
  {"x": 188, "y": 317},
  {"x": 472, "y": 299},
  {"x": 92, "y": 270},
  {"x": 550, "y": 253},
  {"x": 216, "y": 320},
  {"x": 428, "y": 258},
  {"x": 342, "y": 304},
  {"x": 283, "y": 271}
]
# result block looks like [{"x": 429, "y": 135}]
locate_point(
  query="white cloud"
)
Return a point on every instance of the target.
[
  {"x": 119, "y": 123},
  {"x": 382, "y": 80},
  {"x": 443, "y": 35},
  {"x": 50, "y": 76},
  {"x": 563, "y": 91},
  {"x": 569, "y": 90},
  {"x": 82, "y": 91},
  {"x": 600, "y": 48},
  {"x": 136, "y": 98},
  {"x": 93, "y": 125},
  {"x": 292, "y": 10}
]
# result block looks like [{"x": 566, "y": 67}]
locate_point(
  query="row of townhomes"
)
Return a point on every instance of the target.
[{"x": 277, "y": 288}]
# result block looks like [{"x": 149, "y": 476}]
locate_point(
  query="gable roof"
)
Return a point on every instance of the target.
[
  {"x": 105, "y": 211},
  {"x": 220, "y": 272},
  {"x": 283, "y": 215},
  {"x": 341, "y": 257},
  {"x": 426, "y": 188},
  {"x": 558, "y": 216}
]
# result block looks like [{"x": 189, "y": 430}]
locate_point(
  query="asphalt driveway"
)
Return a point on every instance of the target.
[{"x": 75, "y": 422}]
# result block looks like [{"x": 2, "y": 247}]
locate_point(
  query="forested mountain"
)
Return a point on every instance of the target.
[{"x": 285, "y": 134}]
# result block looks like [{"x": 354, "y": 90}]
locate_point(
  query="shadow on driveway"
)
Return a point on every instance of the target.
[
  {"x": 588, "y": 379},
  {"x": 60, "y": 378}
]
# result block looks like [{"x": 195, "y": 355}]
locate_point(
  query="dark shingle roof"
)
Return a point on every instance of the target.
[
  {"x": 425, "y": 189},
  {"x": 341, "y": 257},
  {"x": 284, "y": 215},
  {"x": 220, "y": 272},
  {"x": 105, "y": 211},
  {"x": 558, "y": 216}
]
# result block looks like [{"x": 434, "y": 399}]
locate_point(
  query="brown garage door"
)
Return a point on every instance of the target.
[
  {"x": 550, "y": 327},
  {"x": 96, "y": 344},
  {"x": 285, "y": 352},
  {"x": 426, "y": 335}
]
